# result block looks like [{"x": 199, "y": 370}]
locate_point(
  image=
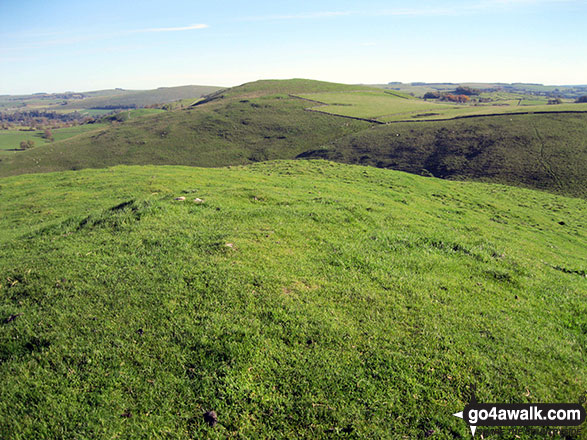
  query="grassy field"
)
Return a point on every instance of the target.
[
  {"x": 10, "y": 139},
  {"x": 539, "y": 91},
  {"x": 385, "y": 107},
  {"x": 262, "y": 121},
  {"x": 302, "y": 299}
]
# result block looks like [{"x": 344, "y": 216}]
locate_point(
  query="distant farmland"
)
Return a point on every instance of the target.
[{"x": 384, "y": 106}]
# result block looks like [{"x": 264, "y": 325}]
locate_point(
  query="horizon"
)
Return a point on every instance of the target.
[
  {"x": 70, "y": 46},
  {"x": 286, "y": 79}
]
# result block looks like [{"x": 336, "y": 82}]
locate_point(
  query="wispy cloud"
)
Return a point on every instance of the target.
[
  {"x": 303, "y": 16},
  {"x": 173, "y": 29},
  {"x": 471, "y": 8}
]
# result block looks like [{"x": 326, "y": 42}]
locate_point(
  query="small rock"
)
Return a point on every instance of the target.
[
  {"x": 211, "y": 418},
  {"x": 180, "y": 199},
  {"x": 12, "y": 318},
  {"x": 229, "y": 245},
  {"x": 198, "y": 200}
]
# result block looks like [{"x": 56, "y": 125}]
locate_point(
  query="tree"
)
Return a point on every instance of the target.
[
  {"x": 431, "y": 95},
  {"x": 469, "y": 91},
  {"x": 581, "y": 99},
  {"x": 455, "y": 98},
  {"x": 24, "y": 145},
  {"x": 47, "y": 134}
]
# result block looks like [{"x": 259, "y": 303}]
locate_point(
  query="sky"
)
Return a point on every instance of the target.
[{"x": 57, "y": 45}]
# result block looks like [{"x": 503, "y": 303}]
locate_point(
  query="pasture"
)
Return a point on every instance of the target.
[
  {"x": 383, "y": 106},
  {"x": 302, "y": 299}
]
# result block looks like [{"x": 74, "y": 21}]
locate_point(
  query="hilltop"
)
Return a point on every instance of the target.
[
  {"x": 288, "y": 119},
  {"x": 250, "y": 123},
  {"x": 302, "y": 299}
]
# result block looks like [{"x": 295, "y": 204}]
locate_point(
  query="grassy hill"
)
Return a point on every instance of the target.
[
  {"x": 539, "y": 91},
  {"x": 267, "y": 120},
  {"x": 102, "y": 99},
  {"x": 302, "y": 299},
  {"x": 141, "y": 98},
  {"x": 233, "y": 128},
  {"x": 388, "y": 106},
  {"x": 548, "y": 152}
]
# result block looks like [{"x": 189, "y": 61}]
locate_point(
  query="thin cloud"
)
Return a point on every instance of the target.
[
  {"x": 175, "y": 29},
  {"x": 37, "y": 43},
  {"x": 417, "y": 12},
  {"x": 468, "y": 9},
  {"x": 305, "y": 16},
  {"x": 335, "y": 14}
]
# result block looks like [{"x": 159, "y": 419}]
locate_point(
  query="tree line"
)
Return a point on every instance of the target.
[{"x": 39, "y": 119}]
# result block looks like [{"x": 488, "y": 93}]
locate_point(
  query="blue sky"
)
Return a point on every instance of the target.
[{"x": 72, "y": 45}]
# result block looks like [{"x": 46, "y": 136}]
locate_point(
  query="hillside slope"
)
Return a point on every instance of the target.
[
  {"x": 141, "y": 98},
  {"x": 263, "y": 121},
  {"x": 547, "y": 152},
  {"x": 302, "y": 299},
  {"x": 102, "y": 99},
  {"x": 233, "y": 128}
]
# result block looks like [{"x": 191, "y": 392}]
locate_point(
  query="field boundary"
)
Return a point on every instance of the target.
[
  {"x": 489, "y": 115},
  {"x": 376, "y": 121},
  {"x": 373, "y": 121}
]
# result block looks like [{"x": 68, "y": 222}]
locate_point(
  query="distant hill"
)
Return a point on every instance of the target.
[
  {"x": 263, "y": 120},
  {"x": 103, "y": 99},
  {"x": 250, "y": 123},
  {"x": 128, "y": 99},
  {"x": 419, "y": 88}
]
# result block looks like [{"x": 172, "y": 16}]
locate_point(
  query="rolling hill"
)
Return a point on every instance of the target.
[
  {"x": 387, "y": 106},
  {"x": 301, "y": 299},
  {"x": 142, "y": 98},
  {"x": 268, "y": 120},
  {"x": 102, "y": 99},
  {"x": 547, "y": 152}
]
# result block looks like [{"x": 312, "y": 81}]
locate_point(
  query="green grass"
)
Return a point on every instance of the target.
[
  {"x": 547, "y": 152},
  {"x": 532, "y": 90},
  {"x": 94, "y": 112},
  {"x": 292, "y": 86},
  {"x": 10, "y": 139},
  {"x": 374, "y": 104},
  {"x": 353, "y": 302},
  {"x": 106, "y": 100},
  {"x": 223, "y": 132},
  {"x": 262, "y": 121},
  {"x": 385, "y": 107},
  {"x": 126, "y": 115},
  {"x": 142, "y": 98}
]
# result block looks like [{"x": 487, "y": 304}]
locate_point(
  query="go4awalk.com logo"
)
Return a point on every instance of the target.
[{"x": 524, "y": 414}]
